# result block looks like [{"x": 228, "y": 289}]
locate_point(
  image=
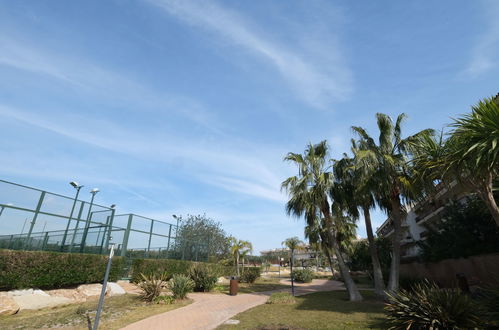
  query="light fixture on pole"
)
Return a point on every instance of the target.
[{"x": 77, "y": 187}]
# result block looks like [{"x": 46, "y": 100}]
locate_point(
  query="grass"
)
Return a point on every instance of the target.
[
  {"x": 261, "y": 284},
  {"x": 118, "y": 311},
  {"x": 280, "y": 298},
  {"x": 321, "y": 310}
]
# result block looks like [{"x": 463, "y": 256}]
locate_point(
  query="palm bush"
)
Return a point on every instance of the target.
[
  {"x": 429, "y": 307},
  {"x": 303, "y": 275},
  {"x": 204, "y": 279},
  {"x": 180, "y": 285},
  {"x": 151, "y": 286},
  {"x": 251, "y": 274}
]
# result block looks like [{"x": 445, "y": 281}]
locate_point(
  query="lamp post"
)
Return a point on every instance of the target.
[
  {"x": 93, "y": 192},
  {"x": 77, "y": 187}
]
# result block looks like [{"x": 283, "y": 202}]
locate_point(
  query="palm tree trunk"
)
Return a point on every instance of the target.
[
  {"x": 379, "y": 285},
  {"x": 488, "y": 197},
  {"x": 353, "y": 292},
  {"x": 395, "y": 214},
  {"x": 237, "y": 264}
]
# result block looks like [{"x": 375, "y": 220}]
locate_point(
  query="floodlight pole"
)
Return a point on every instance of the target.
[
  {"x": 77, "y": 187},
  {"x": 103, "y": 291}
]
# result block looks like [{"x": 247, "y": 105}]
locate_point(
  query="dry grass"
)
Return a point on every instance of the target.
[
  {"x": 260, "y": 285},
  {"x": 118, "y": 311}
]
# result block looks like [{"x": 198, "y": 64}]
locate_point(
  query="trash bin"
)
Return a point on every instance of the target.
[{"x": 234, "y": 283}]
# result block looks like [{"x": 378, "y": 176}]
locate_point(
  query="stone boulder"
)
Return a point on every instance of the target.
[
  {"x": 91, "y": 290},
  {"x": 37, "y": 301},
  {"x": 115, "y": 289},
  {"x": 8, "y": 305}
]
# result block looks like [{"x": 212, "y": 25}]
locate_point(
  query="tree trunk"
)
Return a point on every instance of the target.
[
  {"x": 488, "y": 197},
  {"x": 237, "y": 264},
  {"x": 379, "y": 285},
  {"x": 396, "y": 216}
]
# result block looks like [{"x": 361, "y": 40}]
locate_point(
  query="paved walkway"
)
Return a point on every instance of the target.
[{"x": 208, "y": 311}]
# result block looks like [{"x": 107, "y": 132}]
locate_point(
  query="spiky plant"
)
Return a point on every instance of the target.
[
  {"x": 429, "y": 307},
  {"x": 180, "y": 285},
  {"x": 152, "y": 286}
]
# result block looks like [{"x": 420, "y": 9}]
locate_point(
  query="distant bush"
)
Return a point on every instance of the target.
[
  {"x": 51, "y": 270},
  {"x": 171, "y": 266},
  {"x": 180, "y": 285},
  {"x": 203, "y": 277},
  {"x": 429, "y": 307},
  {"x": 152, "y": 286},
  {"x": 303, "y": 275},
  {"x": 408, "y": 283},
  {"x": 251, "y": 274},
  {"x": 281, "y": 298}
]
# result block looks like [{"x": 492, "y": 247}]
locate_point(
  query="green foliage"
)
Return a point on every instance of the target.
[
  {"x": 409, "y": 283},
  {"x": 171, "y": 267},
  {"x": 468, "y": 229},
  {"x": 429, "y": 307},
  {"x": 251, "y": 274},
  {"x": 360, "y": 257},
  {"x": 303, "y": 275},
  {"x": 203, "y": 277},
  {"x": 281, "y": 298},
  {"x": 180, "y": 285},
  {"x": 165, "y": 300},
  {"x": 151, "y": 286},
  {"x": 51, "y": 270},
  {"x": 203, "y": 235},
  {"x": 489, "y": 301}
]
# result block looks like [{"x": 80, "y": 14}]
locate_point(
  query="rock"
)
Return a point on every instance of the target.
[
  {"x": 68, "y": 293},
  {"x": 36, "y": 301},
  {"x": 222, "y": 280},
  {"x": 115, "y": 289},
  {"x": 8, "y": 305},
  {"x": 232, "y": 322},
  {"x": 16, "y": 293},
  {"x": 91, "y": 290},
  {"x": 41, "y": 293}
]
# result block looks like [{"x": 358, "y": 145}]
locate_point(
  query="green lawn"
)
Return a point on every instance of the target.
[
  {"x": 261, "y": 284},
  {"x": 322, "y": 310},
  {"x": 118, "y": 311}
]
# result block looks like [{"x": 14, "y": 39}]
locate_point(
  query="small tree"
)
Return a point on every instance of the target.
[
  {"x": 292, "y": 244},
  {"x": 239, "y": 248}
]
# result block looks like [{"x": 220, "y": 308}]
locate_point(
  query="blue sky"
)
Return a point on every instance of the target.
[{"x": 176, "y": 107}]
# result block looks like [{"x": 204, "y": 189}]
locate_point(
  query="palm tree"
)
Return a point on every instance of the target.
[
  {"x": 293, "y": 244},
  {"x": 356, "y": 189},
  {"x": 309, "y": 197},
  {"x": 239, "y": 248},
  {"x": 388, "y": 164},
  {"x": 474, "y": 150}
]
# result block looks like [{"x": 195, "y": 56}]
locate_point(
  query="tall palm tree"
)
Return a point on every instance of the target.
[
  {"x": 474, "y": 150},
  {"x": 356, "y": 188},
  {"x": 388, "y": 163},
  {"x": 309, "y": 197},
  {"x": 238, "y": 248}
]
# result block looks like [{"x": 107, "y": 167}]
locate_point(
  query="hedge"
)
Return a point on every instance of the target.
[
  {"x": 51, "y": 270},
  {"x": 171, "y": 267}
]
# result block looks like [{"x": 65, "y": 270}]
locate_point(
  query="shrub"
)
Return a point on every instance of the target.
[
  {"x": 281, "y": 298},
  {"x": 166, "y": 300},
  {"x": 250, "y": 274},
  {"x": 51, "y": 270},
  {"x": 408, "y": 283},
  {"x": 171, "y": 266},
  {"x": 303, "y": 275},
  {"x": 429, "y": 307},
  {"x": 151, "y": 286},
  {"x": 180, "y": 285},
  {"x": 203, "y": 277}
]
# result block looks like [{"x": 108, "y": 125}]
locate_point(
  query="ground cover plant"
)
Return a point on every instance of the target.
[
  {"x": 118, "y": 312},
  {"x": 321, "y": 310}
]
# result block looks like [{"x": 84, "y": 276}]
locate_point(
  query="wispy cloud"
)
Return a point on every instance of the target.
[
  {"x": 485, "y": 54},
  {"x": 317, "y": 80},
  {"x": 221, "y": 164}
]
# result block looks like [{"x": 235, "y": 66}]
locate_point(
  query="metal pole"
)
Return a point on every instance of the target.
[
  {"x": 150, "y": 237},
  {"x": 70, "y": 217},
  {"x": 103, "y": 291},
  {"x": 85, "y": 233},
  {"x": 82, "y": 204},
  {"x": 109, "y": 229},
  {"x": 38, "y": 207},
  {"x": 127, "y": 235},
  {"x": 168, "y": 246}
]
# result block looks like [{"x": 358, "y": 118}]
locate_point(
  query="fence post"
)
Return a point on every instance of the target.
[
  {"x": 127, "y": 235},
  {"x": 109, "y": 228},
  {"x": 85, "y": 232},
  {"x": 150, "y": 237},
  {"x": 82, "y": 204},
  {"x": 45, "y": 240},
  {"x": 37, "y": 211},
  {"x": 168, "y": 246}
]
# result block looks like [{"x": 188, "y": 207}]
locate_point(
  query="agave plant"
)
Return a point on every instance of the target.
[
  {"x": 152, "y": 286},
  {"x": 429, "y": 307}
]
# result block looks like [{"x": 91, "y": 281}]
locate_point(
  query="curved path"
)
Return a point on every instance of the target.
[{"x": 208, "y": 311}]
